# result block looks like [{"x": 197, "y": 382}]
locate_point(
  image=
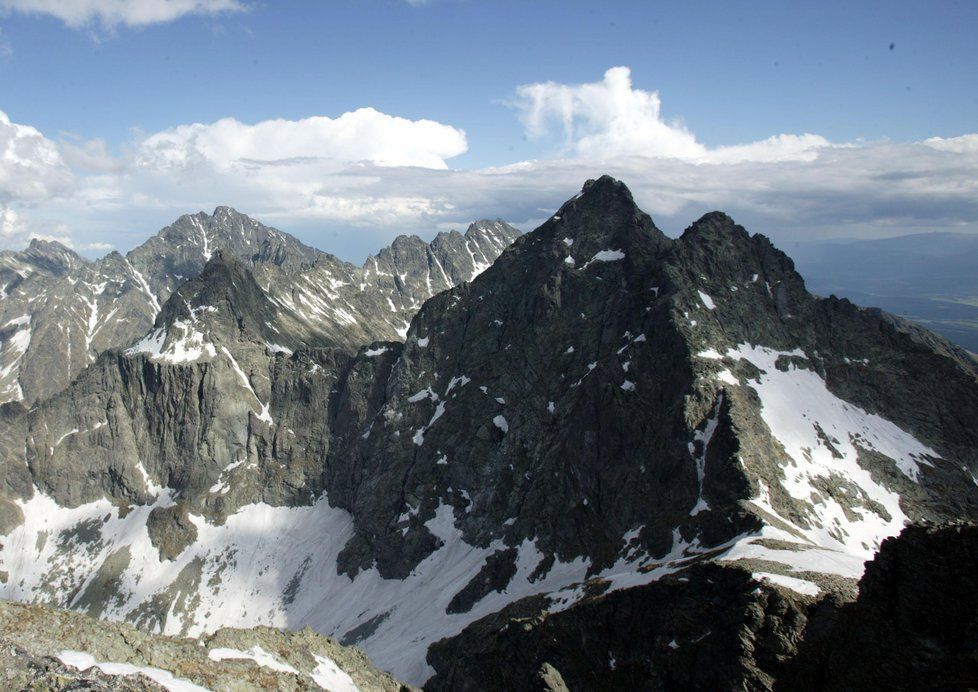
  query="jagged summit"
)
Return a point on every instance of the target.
[
  {"x": 44, "y": 257},
  {"x": 417, "y": 270},
  {"x": 600, "y": 408},
  {"x": 56, "y": 256},
  {"x": 602, "y": 214},
  {"x": 715, "y": 222},
  {"x": 225, "y": 278},
  {"x": 225, "y": 307},
  {"x": 66, "y": 311},
  {"x": 220, "y": 306},
  {"x": 608, "y": 193},
  {"x": 492, "y": 226},
  {"x": 182, "y": 248}
]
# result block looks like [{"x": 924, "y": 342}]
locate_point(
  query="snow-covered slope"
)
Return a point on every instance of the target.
[{"x": 601, "y": 408}]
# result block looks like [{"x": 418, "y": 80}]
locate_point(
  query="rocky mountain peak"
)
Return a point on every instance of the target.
[
  {"x": 52, "y": 256},
  {"x": 80, "y": 312},
  {"x": 225, "y": 280},
  {"x": 607, "y": 193},
  {"x": 491, "y": 226},
  {"x": 202, "y": 228},
  {"x": 224, "y": 304},
  {"x": 403, "y": 244},
  {"x": 715, "y": 223},
  {"x": 226, "y": 212},
  {"x": 603, "y": 216},
  {"x": 189, "y": 242},
  {"x": 583, "y": 412}
]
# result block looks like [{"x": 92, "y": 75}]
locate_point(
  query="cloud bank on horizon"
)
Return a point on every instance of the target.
[{"x": 378, "y": 174}]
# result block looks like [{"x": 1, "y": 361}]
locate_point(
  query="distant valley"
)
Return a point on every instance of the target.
[{"x": 930, "y": 278}]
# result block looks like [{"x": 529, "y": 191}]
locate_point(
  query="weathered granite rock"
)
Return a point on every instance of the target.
[
  {"x": 914, "y": 625},
  {"x": 37, "y": 643},
  {"x": 600, "y": 408},
  {"x": 170, "y": 530}
]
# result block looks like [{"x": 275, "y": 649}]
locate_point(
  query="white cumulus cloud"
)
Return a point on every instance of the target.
[
  {"x": 31, "y": 166},
  {"x": 965, "y": 144},
  {"x": 283, "y": 171},
  {"x": 361, "y": 135},
  {"x": 111, "y": 13},
  {"x": 10, "y": 225},
  {"x": 285, "y": 168},
  {"x": 349, "y": 183},
  {"x": 612, "y": 118}
]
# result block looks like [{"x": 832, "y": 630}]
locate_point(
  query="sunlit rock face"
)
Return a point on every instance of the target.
[
  {"x": 584, "y": 412},
  {"x": 58, "y": 311}
]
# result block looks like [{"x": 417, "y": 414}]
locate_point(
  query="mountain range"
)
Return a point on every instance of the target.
[
  {"x": 59, "y": 311},
  {"x": 591, "y": 433}
]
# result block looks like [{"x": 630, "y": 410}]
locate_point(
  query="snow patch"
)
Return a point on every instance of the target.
[
  {"x": 802, "y": 586},
  {"x": 605, "y": 256},
  {"x": 823, "y": 435},
  {"x": 84, "y": 661},
  {"x": 707, "y": 301},
  {"x": 330, "y": 676},
  {"x": 256, "y": 654}
]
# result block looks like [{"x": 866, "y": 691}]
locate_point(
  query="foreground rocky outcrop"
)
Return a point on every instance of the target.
[
  {"x": 602, "y": 409},
  {"x": 913, "y": 626},
  {"x": 46, "y": 648},
  {"x": 708, "y": 628}
]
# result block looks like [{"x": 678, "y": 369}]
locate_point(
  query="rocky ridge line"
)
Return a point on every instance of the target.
[
  {"x": 600, "y": 409},
  {"x": 58, "y": 311}
]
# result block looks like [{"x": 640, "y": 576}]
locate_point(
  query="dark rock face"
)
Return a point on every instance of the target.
[
  {"x": 714, "y": 628},
  {"x": 497, "y": 572},
  {"x": 613, "y": 346},
  {"x": 914, "y": 625},
  {"x": 492, "y": 357},
  {"x": 601, "y": 408}
]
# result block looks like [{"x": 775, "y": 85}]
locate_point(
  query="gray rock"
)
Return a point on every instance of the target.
[
  {"x": 170, "y": 530},
  {"x": 58, "y": 311},
  {"x": 601, "y": 396},
  {"x": 34, "y": 639}
]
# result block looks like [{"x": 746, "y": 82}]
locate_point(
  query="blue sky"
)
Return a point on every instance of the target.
[{"x": 97, "y": 87}]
